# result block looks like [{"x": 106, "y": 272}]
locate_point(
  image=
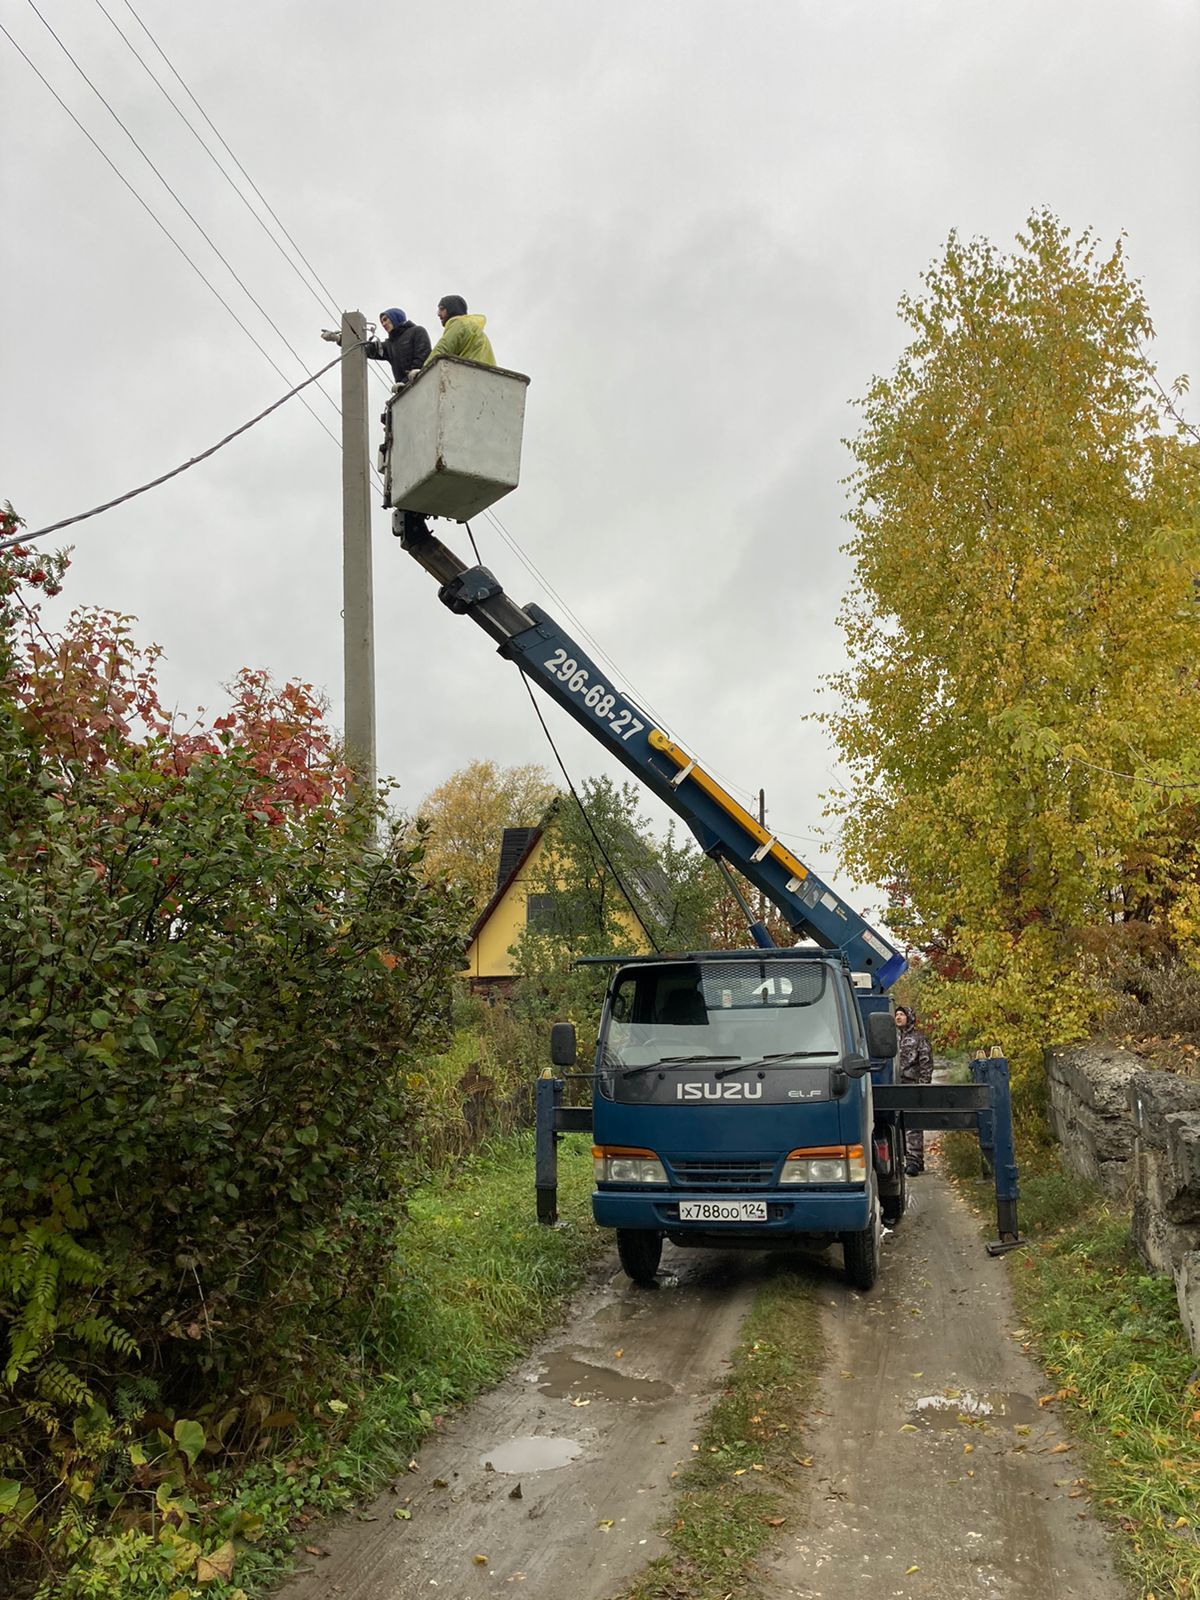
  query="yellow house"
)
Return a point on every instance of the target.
[{"x": 520, "y": 901}]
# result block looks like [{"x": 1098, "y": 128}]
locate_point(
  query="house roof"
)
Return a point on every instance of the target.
[
  {"x": 516, "y": 860},
  {"x": 648, "y": 883}
]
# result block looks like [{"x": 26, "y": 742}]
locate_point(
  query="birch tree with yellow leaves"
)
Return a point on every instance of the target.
[{"x": 1020, "y": 710}]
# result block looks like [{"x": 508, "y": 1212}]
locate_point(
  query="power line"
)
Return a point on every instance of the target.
[
  {"x": 274, "y": 217},
  {"x": 82, "y": 516},
  {"x": 325, "y": 303},
  {"x": 201, "y": 230},
  {"x": 158, "y": 223}
]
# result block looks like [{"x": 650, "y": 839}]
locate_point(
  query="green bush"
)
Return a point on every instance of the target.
[{"x": 215, "y": 984}]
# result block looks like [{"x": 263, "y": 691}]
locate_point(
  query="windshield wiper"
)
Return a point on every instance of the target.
[
  {"x": 672, "y": 1061},
  {"x": 780, "y": 1055}
]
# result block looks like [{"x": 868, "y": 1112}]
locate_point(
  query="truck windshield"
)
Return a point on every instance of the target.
[{"x": 728, "y": 1011}]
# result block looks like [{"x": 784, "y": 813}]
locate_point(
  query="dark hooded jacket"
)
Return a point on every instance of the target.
[{"x": 405, "y": 347}]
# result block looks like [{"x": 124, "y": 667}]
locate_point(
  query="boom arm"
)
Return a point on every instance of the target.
[{"x": 726, "y": 831}]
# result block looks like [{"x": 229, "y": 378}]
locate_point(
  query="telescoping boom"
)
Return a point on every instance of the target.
[{"x": 725, "y": 830}]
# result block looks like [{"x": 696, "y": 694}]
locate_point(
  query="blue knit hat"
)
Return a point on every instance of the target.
[{"x": 394, "y": 315}]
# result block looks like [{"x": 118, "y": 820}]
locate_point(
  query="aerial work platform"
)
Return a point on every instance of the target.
[{"x": 452, "y": 441}]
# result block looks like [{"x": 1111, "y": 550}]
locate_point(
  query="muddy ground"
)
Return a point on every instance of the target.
[{"x": 936, "y": 1474}]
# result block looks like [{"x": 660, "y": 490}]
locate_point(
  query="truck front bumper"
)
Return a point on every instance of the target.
[{"x": 823, "y": 1211}]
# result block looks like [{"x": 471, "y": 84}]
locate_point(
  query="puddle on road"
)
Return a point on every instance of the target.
[
  {"x": 562, "y": 1376},
  {"x": 533, "y": 1453},
  {"x": 945, "y": 1410}
]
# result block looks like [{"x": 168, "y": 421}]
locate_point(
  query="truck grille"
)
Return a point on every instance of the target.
[{"x": 724, "y": 1174}]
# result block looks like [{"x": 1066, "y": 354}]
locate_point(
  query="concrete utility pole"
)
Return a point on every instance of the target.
[{"x": 358, "y": 625}]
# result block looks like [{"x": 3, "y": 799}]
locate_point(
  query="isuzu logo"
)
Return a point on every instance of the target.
[{"x": 718, "y": 1091}]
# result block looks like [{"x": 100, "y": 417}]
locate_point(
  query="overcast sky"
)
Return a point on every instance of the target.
[{"x": 690, "y": 224}]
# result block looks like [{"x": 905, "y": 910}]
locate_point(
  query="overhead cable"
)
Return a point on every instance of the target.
[
  {"x": 326, "y": 301},
  {"x": 82, "y": 516},
  {"x": 160, "y": 225},
  {"x": 270, "y": 211},
  {"x": 188, "y": 213}
]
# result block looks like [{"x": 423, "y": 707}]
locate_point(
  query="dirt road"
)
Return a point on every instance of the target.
[
  {"x": 937, "y": 1476},
  {"x": 560, "y": 1475},
  {"x": 935, "y": 1472}
]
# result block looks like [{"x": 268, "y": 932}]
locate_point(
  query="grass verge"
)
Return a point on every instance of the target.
[
  {"x": 750, "y": 1455},
  {"x": 476, "y": 1281},
  {"x": 1108, "y": 1334}
]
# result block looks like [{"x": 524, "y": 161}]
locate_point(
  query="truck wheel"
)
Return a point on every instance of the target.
[
  {"x": 861, "y": 1253},
  {"x": 640, "y": 1250},
  {"x": 893, "y": 1206}
]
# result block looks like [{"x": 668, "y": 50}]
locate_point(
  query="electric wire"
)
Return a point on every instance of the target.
[
  {"x": 82, "y": 516},
  {"x": 537, "y": 711},
  {"x": 158, "y": 223},
  {"x": 325, "y": 303},
  {"x": 270, "y": 211},
  {"x": 188, "y": 213}
]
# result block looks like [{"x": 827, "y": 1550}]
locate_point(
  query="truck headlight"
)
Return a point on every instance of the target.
[
  {"x": 832, "y": 1163},
  {"x": 616, "y": 1164}
]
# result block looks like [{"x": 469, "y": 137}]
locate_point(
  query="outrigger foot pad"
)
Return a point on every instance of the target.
[{"x": 1001, "y": 1247}]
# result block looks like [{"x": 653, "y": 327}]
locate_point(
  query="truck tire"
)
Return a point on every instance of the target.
[
  {"x": 861, "y": 1252},
  {"x": 640, "y": 1250}
]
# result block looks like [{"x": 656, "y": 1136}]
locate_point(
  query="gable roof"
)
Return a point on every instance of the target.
[
  {"x": 514, "y": 842},
  {"x": 517, "y": 860},
  {"x": 647, "y": 883}
]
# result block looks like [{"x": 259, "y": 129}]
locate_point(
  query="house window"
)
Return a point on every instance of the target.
[{"x": 539, "y": 913}]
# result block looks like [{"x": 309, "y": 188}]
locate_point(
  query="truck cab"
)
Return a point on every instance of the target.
[{"x": 732, "y": 1107}]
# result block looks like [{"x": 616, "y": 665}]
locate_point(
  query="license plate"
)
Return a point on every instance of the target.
[{"x": 722, "y": 1211}]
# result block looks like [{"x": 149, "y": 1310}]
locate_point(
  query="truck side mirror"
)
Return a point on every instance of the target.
[
  {"x": 881, "y": 1034},
  {"x": 562, "y": 1044}
]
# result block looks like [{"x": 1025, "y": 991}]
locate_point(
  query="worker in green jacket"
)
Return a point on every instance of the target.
[{"x": 463, "y": 336}]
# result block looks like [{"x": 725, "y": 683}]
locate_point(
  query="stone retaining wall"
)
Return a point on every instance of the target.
[{"x": 1136, "y": 1133}]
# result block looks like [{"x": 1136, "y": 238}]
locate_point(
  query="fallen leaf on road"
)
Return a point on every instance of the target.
[
  {"x": 916, "y": 1374},
  {"x": 606, "y": 1525},
  {"x": 967, "y": 1448},
  {"x": 1047, "y": 1399},
  {"x": 440, "y": 1483},
  {"x": 481, "y": 1561},
  {"x": 847, "y": 1374},
  {"x": 580, "y": 1401},
  {"x": 617, "y": 1354},
  {"x": 806, "y": 1461},
  {"x": 774, "y": 1522},
  {"x": 1059, "y": 1448},
  {"x": 755, "y": 1467},
  {"x": 908, "y": 1571},
  {"x": 402, "y": 1514},
  {"x": 739, "y": 1472},
  {"x": 908, "y": 1427}
]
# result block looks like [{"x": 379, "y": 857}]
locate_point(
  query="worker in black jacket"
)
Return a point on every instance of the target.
[{"x": 405, "y": 347}]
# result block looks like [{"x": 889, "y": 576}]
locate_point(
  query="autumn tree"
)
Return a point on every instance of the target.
[
  {"x": 217, "y": 974},
  {"x": 1019, "y": 706},
  {"x": 468, "y": 813}
]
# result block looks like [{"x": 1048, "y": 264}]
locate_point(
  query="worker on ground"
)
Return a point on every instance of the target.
[
  {"x": 462, "y": 336},
  {"x": 914, "y": 1061}
]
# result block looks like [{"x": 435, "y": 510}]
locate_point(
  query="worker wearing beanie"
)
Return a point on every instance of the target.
[
  {"x": 463, "y": 336},
  {"x": 405, "y": 347}
]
